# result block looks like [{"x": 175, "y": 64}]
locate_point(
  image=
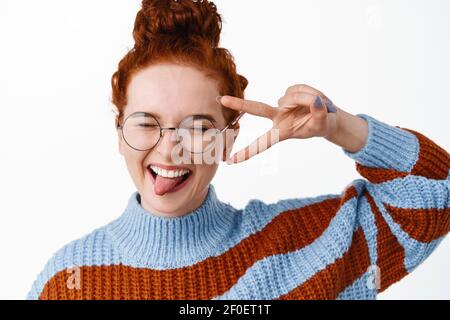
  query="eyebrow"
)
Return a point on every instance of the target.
[
  {"x": 204, "y": 116},
  {"x": 196, "y": 116}
]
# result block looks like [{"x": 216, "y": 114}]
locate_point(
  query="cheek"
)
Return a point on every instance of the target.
[
  {"x": 206, "y": 172},
  {"x": 135, "y": 163}
]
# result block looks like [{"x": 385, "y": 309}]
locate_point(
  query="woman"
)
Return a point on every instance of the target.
[{"x": 178, "y": 97}]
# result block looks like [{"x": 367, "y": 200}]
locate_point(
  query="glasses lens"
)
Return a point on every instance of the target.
[
  {"x": 197, "y": 134},
  {"x": 141, "y": 131}
]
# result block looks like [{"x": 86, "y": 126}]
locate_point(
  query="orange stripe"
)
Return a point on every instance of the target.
[
  {"x": 390, "y": 253},
  {"x": 290, "y": 230},
  {"x": 329, "y": 282},
  {"x": 433, "y": 161},
  {"x": 379, "y": 175},
  {"x": 424, "y": 225}
]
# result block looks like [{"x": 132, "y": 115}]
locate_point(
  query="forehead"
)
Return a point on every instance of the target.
[{"x": 172, "y": 91}]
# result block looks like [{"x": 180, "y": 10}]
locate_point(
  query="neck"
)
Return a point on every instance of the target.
[
  {"x": 148, "y": 239},
  {"x": 195, "y": 202}
]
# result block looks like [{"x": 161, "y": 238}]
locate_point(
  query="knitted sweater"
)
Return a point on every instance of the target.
[{"x": 350, "y": 245}]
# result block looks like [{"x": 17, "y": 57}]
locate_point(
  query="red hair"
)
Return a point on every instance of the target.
[{"x": 182, "y": 32}]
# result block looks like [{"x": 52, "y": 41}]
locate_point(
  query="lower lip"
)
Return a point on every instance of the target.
[{"x": 178, "y": 187}]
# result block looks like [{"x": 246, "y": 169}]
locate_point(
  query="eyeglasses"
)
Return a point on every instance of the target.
[{"x": 197, "y": 134}]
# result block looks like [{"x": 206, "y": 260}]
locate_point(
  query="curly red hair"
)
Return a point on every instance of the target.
[{"x": 182, "y": 32}]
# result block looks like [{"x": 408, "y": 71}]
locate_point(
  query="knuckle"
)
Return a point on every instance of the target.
[
  {"x": 320, "y": 125},
  {"x": 297, "y": 96},
  {"x": 322, "y": 116},
  {"x": 296, "y": 87},
  {"x": 300, "y": 87},
  {"x": 280, "y": 101},
  {"x": 290, "y": 89},
  {"x": 315, "y": 130}
]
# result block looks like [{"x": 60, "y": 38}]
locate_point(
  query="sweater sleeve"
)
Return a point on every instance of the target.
[{"x": 403, "y": 205}]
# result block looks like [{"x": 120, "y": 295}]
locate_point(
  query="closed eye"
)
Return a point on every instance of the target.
[{"x": 144, "y": 125}]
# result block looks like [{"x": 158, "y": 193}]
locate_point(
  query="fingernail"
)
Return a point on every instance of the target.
[
  {"x": 331, "y": 107},
  {"x": 229, "y": 161},
  {"x": 318, "y": 103},
  {"x": 218, "y": 99}
]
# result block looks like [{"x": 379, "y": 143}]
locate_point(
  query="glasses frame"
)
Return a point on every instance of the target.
[{"x": 161, "y": 130}]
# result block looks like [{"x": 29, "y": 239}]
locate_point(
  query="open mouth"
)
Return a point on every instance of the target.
[
  {"x": 154, "y": 174},
  {"x": 178, "y": 182}
]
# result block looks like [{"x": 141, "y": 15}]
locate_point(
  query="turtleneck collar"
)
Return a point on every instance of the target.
[{"x": 161, "y": 242}]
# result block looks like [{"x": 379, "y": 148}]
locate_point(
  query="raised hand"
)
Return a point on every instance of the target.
[{"x": 303, "y": 112}]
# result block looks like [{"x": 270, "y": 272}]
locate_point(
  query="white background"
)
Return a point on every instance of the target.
[{"x": 62, "y": 176}]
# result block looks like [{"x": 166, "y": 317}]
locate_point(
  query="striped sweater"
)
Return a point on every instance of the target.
[{"x": 350, "y": 245}]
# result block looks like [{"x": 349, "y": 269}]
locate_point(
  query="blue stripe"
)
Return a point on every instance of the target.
[
  {"x": 387, "y": 147},
  {"x": 276, "y": 275},
  {"x": 93, "y": 249},
  {"x": 415, "y": 251},
  {"x": 368, "y": 224},
  {"x": 413, "y": 192},
  {"x": 364, "y": 288},
  {"x": 96, "y": 248}
]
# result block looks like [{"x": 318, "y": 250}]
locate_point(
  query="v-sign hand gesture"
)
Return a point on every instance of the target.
[{"x": 303, "y": 112}]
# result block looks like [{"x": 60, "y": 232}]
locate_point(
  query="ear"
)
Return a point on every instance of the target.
[{"x": 229, "y": 146}]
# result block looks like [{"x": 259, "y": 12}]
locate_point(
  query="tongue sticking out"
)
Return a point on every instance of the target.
[{"x": 164, "y": 185}]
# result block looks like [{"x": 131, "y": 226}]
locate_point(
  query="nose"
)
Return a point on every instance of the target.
[{"x": 167, "y": 142}]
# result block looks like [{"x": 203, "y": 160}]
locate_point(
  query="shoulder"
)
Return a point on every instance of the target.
[{"x": 93, "y": 248}]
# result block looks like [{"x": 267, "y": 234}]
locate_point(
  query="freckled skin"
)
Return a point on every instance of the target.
[{"x": 174, "y": 92}]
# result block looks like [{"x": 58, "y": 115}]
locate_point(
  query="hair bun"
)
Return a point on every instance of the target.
[{"x": 181, "y": 18}]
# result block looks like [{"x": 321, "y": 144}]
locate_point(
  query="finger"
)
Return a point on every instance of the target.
[
  {"x": 304, "y": 88},
  {"x": 308, "y": 89},
  {"x": 253, "y": 107},
  {"x": 318, "y": 109},
  {"x": 261, "y": 144},
  {"x": 296, "y": 99},
  {"x": 301, "y": 124},
  {"x": 306, "y": 99},
  {"x": 331, "y": 108}
]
